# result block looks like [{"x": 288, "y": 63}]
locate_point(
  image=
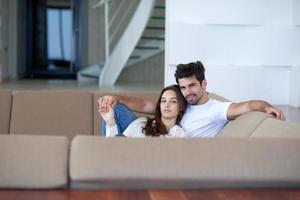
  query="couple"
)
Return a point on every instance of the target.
[{"x": 203, "y": 117}]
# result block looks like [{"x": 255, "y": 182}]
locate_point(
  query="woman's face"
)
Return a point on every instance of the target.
[{"x": 169, "y": 105}]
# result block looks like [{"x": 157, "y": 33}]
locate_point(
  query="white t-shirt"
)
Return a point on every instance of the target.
[
  {"x": 135, "y": 129},
  {"x": 205, "y": 120}
]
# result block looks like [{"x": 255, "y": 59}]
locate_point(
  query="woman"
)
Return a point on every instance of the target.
[{"x": 169, "y": 110}]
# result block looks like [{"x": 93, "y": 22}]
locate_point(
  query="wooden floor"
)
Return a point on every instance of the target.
[{"x": 208, "y": 194}]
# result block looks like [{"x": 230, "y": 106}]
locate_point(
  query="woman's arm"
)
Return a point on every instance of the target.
[{"x": 109, "y": 118}]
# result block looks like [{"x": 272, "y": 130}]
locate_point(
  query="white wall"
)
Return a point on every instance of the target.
[{"x": 250, "y": 48}]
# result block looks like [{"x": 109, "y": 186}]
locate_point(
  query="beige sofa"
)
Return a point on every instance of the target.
[{"x": 50, "y": 139}]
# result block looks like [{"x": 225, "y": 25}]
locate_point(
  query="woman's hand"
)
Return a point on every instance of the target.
[
  {"x": 108, "y": 115},
  {"x": 106, "y": 101}
]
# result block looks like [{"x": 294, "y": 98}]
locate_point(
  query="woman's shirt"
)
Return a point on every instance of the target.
[{"x": 135, "y": 129}]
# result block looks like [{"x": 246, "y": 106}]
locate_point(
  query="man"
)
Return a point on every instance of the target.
[{"x": 204, "y": 117}]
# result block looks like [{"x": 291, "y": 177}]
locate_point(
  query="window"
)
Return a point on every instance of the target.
[{"x": 59, "y": 34}]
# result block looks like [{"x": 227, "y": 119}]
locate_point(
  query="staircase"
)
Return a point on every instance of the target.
[
  {"x": 153, "y": 39},
  {"x": 148, "y": 44}
]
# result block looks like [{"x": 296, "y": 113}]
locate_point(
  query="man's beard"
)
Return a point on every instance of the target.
[{"x": 194, "y": 100}]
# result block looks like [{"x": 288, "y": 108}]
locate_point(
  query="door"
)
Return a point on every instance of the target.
[{"x": 51, "y": 39}]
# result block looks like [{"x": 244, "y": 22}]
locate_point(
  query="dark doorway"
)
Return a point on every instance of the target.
[{"x": 51, "y": 39}]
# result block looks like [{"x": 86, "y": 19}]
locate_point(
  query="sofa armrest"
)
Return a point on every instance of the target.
[
  {"x": 276, "y": 128},
  {"x": 33, "y": 161}
]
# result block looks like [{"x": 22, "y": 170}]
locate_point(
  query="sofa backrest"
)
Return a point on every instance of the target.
[
  {"x": 184, "y": 162},
  {"x": 97, "y": 118},
  {"x": 244, "y": 125},
  {"x": 212, "y": 95},
  {"x": 5, "y": 110},
  {"x": 52, "y": 113}
]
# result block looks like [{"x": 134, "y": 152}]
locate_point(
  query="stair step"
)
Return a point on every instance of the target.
[
  {"x": 155, "y": 28},
  {"x": 160, "y": 7},
  {"x": 147, "y": 47},
  {"x": 152, "y": 38},
  {"x": 158, "y": 17},
  {"x": 134, "y": 57},
  {"x": 89, "y": 75}
]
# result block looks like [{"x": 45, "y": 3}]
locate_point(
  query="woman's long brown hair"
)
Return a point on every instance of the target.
[{"x": 155, "y": 127}]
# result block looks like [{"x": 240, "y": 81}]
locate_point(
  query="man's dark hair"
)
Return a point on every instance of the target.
[{"x": 190, "y": 69}]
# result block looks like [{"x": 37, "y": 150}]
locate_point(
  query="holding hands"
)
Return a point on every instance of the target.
[
  {"x": 106, "y": 101},
  {"x": 106, "y": 109}
]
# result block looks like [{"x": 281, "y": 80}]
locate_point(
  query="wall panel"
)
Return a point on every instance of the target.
[{"x": 251, "y": 48}]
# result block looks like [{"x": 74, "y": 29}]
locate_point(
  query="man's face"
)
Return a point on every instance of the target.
[{"x": 191, "y": 89}]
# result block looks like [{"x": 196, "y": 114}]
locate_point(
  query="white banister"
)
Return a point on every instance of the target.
[{"x": 126, "y": 44}]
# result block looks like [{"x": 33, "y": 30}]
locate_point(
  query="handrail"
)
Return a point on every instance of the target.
[
  {"x": 109, "y": 35},
  {"x": 111, "y": 13},
  {"x": 126, "y": 44}
]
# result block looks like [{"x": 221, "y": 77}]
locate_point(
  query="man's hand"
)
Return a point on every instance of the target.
[
  {"x": 106, "y": 101},
  {"x": 237, "y": 109},
  {"x": 278, "y": 114}
]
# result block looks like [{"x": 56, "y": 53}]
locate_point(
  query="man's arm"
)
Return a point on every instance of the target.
[
  {"x": 133, "y": 103},
  {"x": 237, "y": 109}
]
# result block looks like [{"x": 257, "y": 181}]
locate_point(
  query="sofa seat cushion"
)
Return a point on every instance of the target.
[
  {"x": 97, "y": 162},
  {"x": 33, "y": 161}
]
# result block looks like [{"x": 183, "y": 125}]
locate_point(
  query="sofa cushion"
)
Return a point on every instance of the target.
[
  {"x": 33, "y": 161},
  {"x": 97, "y": 162},
  {"x": 5, "y": 111},
  {"x": 212, "y": 95},
  {"x": 97, "y": 118},
  {"x": 276, "y": 128},
  {"x": 244, "y": 125},
  {"x": 52, "y": 113}
]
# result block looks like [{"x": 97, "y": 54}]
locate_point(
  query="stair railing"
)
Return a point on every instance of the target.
[{"x": 115, "y": 62}]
